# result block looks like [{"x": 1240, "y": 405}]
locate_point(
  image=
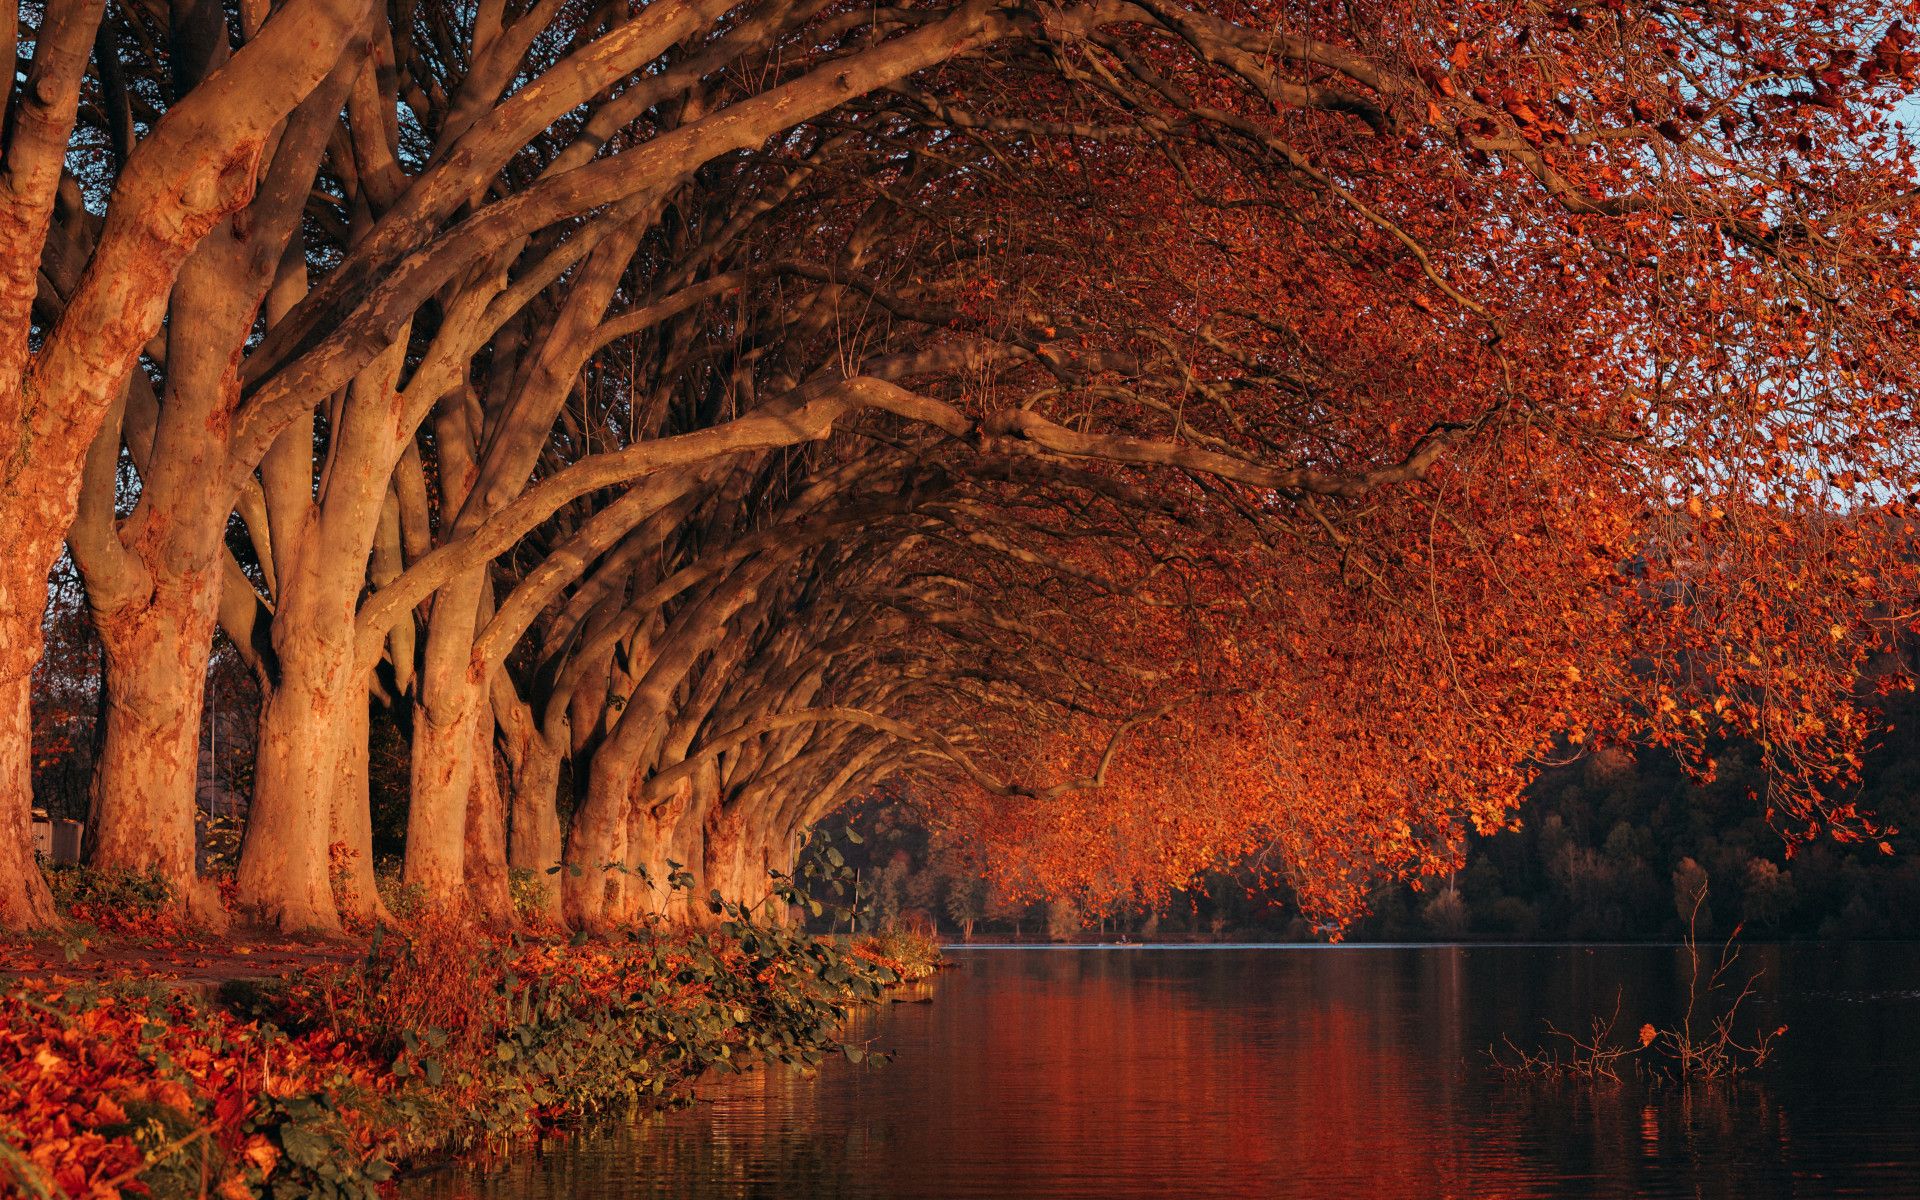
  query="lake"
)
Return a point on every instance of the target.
[{"x": 1289, "y": 1071}]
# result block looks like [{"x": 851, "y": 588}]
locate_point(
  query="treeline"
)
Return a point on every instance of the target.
[{"x": 1611, "y": 848}]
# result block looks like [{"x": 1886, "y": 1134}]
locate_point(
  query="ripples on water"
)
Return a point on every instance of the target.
[{"x": 1295, "y": 1072}]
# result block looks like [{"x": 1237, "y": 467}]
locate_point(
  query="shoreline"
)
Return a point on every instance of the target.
[{"x": 423, "y": 1048}]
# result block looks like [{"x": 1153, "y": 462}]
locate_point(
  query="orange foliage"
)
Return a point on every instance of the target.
[
  {"x": 76, "y": 1070},
  {"x": 1658, "y": 305},
  {"x": 444, "y": 1037}
]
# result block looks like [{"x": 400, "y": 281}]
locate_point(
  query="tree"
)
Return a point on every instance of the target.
[
  {"x": 965, "y": 903},
  {"x": 83, "y": 287},
  {"x": 1174, "y": 430}
]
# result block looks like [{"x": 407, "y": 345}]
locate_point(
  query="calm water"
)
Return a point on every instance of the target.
[{"x": 1289, "y": 1072}]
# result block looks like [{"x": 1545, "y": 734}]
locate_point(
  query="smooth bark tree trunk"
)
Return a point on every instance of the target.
[
  {"x": 351, "y": 820},
  {"x": 283, "y": 862},
  {"x": 726, "y": 855},
  {"x": 597, "y": 839},
  {"x": 196, "y": 163},
  {"x": 486, "y": 827},
  {"x": 661, "y": 822},
  {"x": 771, "y": 852},
  {"x": 144, "y": 796},
  {"x": 25, "y": 902},
  {"x": 614, "y": 880},
  {"x": 154, "y": 580},
  {"x": 321, "y": 552},
  {"x": 690, "y": 851},
  {"x": 758, "y": 865},
  {"x": 444, "y": 769},
  {"x": 443, "y": 776},
  {"x": 715, "y": 866},
  {"x": 628, "y": 896},
  {"x": 535, "y": 838}
]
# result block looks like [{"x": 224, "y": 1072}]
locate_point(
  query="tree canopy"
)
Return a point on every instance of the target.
[{"x": 1160, "y": 428}]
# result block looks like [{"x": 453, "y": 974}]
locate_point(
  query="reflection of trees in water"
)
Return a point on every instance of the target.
[
  {"x": 670, "y": 1154},
  {"x": 1722, "y": 1140},
  {"x": 1299, "y": 1075},
  {"x": 693, "y": 1162},
  {"x": 1707, "y": 1143}
]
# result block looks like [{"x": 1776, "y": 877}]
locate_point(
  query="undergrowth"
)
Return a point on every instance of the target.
[
  {"x": 114, "y": 900},
  {"x": 443, "y": 1039}
]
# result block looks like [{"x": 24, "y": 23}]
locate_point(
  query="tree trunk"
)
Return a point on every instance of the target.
[
  {"x": 320, "y": 561},
  {"x": 144, "y": 781},
  {"x": 443, "y": 776},
  {"x": 727, "y": 856},
  {"x": 660, "y": 824},
  {"x": 351, "y": 821},
  {"x": 686, "y": 845},
  {"x": 763, "y": 859},
  {"x": 534, "y": 843},
  {"x": 628, "y": 894},
  {"x": 283, "y": 862},
  {"x": 25, "y": 902},
  {"x": 486, "y": 827},
  {"x": 701, "y": 852},
  {"x": 597, "y": 839},
  {"x": 444, "y": 766},
  {"x": 196, "y": 163}
]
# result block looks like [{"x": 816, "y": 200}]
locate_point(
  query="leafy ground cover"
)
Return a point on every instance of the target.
[{"x": 318, "y": 1069}]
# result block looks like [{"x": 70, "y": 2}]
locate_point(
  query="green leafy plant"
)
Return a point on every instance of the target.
[
  {"x": 527, "y": 889},
  {"x": 442, "y": 1038},
  {"x": 402, "y": 899},
  {"x": 117, "y": 900}
]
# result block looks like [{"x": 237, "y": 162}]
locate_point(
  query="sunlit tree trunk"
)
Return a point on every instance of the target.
[
  {"x": 144, "y": 789},
  {"x": 321, "y": 556},
  {"x": 154, "y": 589},
  {"x": 197, "y": 162},
  {"x": 444, "y": 776},
  {"x": 155, "y": 580},
  {"x": 627, "y": 893},
  {"x": 697, "y": 841},
  {"x": 686, "y": 846},
  {"x": 283, "y": 862},
  {"x": 535, "y": 839},
  {"x": 485, "y": 852},
  {"x": 351, "y": 820},
  {"x": 599, "y": 836},
  {"x": 25, "y": 902},
  {"x": 661, "y": 820},
  {"x": 726, "y": 846}
]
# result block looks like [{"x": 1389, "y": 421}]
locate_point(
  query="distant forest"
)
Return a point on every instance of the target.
[{"x": 1609, "y": 850}]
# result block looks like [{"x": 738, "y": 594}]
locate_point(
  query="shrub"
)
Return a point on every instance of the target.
[
  {"x": 114, "y": 900},
  {"x": 1703, "y": 1046},
  {"x": 445, "y": 1037},
  {"x": 528, "y": 890},
  {"x": 404, "y": 900},
  {"x": 910, "y": 953}
]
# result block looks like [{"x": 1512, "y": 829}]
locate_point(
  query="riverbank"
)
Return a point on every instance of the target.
[
  {"x": 413, "y": 1045},
  {"x": 1204, "y": 1075}
]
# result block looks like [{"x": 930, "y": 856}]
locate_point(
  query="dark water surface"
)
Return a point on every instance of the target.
[{"x": 1303, "y": 1072}]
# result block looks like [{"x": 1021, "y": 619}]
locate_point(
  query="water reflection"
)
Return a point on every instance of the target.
[{"x": 1289, "y": 1073}]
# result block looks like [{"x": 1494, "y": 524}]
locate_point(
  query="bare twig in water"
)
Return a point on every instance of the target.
[{"x": 1702, "y": 1047}]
